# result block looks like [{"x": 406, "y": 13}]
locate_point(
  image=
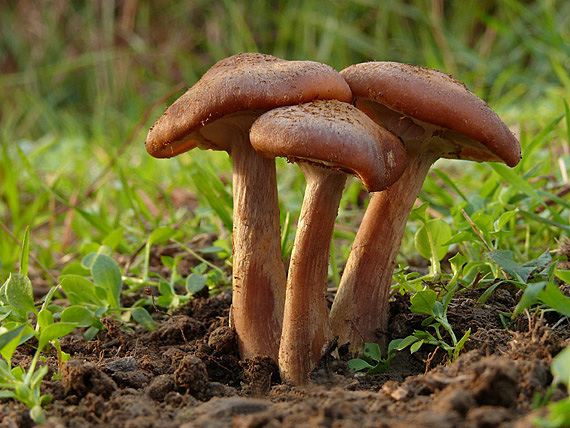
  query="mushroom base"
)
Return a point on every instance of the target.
[
  {"x": 360, "y": 310},
  {"x": 306, "y": 329},
  {"x": 258, "y": 271}
]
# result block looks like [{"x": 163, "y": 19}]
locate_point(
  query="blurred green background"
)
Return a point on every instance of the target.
[{"x": 82, "y": 81}]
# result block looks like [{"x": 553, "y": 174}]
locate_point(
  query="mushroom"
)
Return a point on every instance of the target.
[
  {"x": 328, "y": 139},
  {"x": 216, "y": 113},
  {"x": 436, "y": 116}
]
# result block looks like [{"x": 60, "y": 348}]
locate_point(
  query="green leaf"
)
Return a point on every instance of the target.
[
  {"x": 440, "y": 233},
  {"x": 423, "y": 301},
  {"x": 529, "y": 297},
  {"x": 505, "y": 260},
  {"x": 195, "y": 282},
  {"x": 37, "y": 414},
  {"x": 214, "y": 192},
  {"x": 564, "y": 275},
  {"x": 91, "y": 332},
  {"x": 544, "y": 220},
  {"x": 420, "y": 213},
  {"x": 554, "y": 298},
  {"x": 142, "y": 316},
  {"x": 561, "y": 366},
  {"x": 516, "y": 181},
  {"x": 504, "y": 219},
  {"x": 457, "y": 262},
  {"x": 212, "y": 250},
  {"x": 75, "y": 268},
  {"x": 96, "y": 220},
  {"x": 539, "y": 138},
  {"x": 460, "y": 237},
  {"x": 9, "y": 336},
  {"x": 55, "y": 331},
  {"x": 416, "y": 346},
  {"x": 45, "y": 318},
  {"x": 164, "y": 289},
  {"x": 10, "y": 340},
  {"x": 357, "y": 364},
  {"x": 46, "y": 399},
  {"x": 80, "y": 290},
  {"x": 438, "y": 310},
  {"x": 114, "y": 238},
  {"x": 20, "y": 292},
  {"x": 107, "y": 274},
  {"x": 405, "y": 342},
  {"x": 3, "y": 300},
  {"x": 485, "y": 296},
  {"x": 200, "y": 269},
  {"x": 162, "y": 234},
  {"x": 24, "y": 255},
  {"x": 372, "y": 350},
  {"x": 78, "y": 315},
  {"x": 460, "y": 344},
  {"x": 4, "y": 313},
  {"x": 167, "y": 261},
  {"x": 393, "y": 345},
  {"x": 158, "y": 235},
  {"x": 449, "y": 182}
]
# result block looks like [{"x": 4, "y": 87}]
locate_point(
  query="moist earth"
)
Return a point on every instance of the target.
[{"x": 188, "y": 373}]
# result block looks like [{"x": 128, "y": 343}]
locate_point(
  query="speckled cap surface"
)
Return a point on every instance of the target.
[
  {"x": 436, "y": 98},
  {"x": 247, "y": 81},
  {"x": 332, "y": 134}
]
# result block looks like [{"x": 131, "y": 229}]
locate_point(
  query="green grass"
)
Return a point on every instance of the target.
[
  {"x": 75, "y": 110},
  {"x": 82, "y": 82}
]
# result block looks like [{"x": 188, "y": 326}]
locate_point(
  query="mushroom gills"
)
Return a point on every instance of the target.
[{"x": 450, "y": 144}]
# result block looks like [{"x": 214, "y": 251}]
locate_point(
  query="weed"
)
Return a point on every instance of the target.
[
  {"x": 371, "y": 361},
  {"x": 94, "y": 292},
  {"x": 17, "y": 306},
  {"x": 559, "y": 411}
]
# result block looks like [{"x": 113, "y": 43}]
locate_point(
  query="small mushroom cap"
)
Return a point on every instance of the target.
[
  {"x": 332, "y": 134},
  {"x": 435, "y": 98},
  {"x": 242, "y": 82}
]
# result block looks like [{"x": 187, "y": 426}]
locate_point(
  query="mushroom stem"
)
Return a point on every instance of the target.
[
  {"x": 359, "y": 312},
  {"x": 306, "y": 328},
  {"x": 258, "y": 271}
]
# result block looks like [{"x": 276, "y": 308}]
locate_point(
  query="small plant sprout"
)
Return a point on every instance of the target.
[
  {"x": 214, "y": 114},
  {"x": 431, "y": 239},
  {"x": 371, "y": 360},
  {"x": 94, "y": 291},
  {"x": 328, "y": 139},
  {"x": 426, "y": 302},
  {"x": 16, "y": 295},
  {"x": 435, "y": 116}
]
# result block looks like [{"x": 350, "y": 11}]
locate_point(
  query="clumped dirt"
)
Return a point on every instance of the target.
[{"x": 188, "y": 373}]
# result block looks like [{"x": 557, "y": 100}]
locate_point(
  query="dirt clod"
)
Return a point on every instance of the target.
[
  {"x": 191, "y": 375},
  {"x": 160, "y": 386},
  {"x": 495, "y": 382},
  {"x": 188, "y": 373},
  {"x": 180, "y": 329},
  {"x": 80, "y": 377},
  {"x": 258, "y": 374},
  {"x": 219, "y": 412}
]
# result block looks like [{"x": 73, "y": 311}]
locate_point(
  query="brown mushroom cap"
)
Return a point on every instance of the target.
[
  {"x": 243, "y": 82},
  {"x": 435, "y": 98},
  {"x": 334, "y": 134}
]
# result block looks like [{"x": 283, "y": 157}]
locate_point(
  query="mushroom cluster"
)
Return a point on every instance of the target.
[{"x": 385, "y": 123}]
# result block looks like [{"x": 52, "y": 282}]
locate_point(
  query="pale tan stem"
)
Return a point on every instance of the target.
[
  {"x": 360, "y": 310},
  {"x": 258, "y": 271},
  {"x": 306, "y": 327}
]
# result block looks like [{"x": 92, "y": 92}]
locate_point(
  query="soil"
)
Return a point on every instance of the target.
[{"x": 188, "y": 373}]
